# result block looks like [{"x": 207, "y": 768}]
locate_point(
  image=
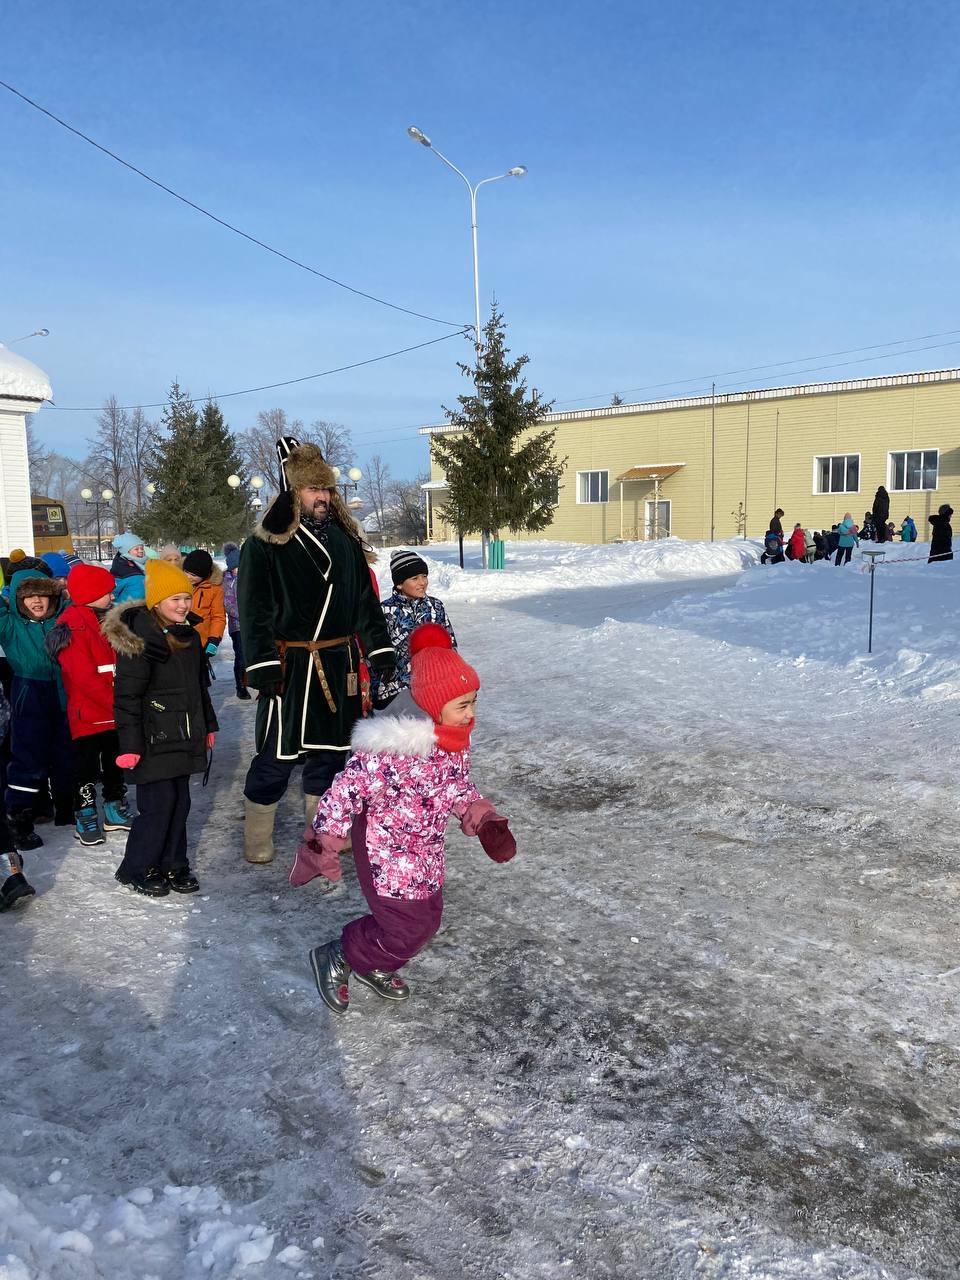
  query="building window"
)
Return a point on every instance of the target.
[
  {"x": 592, "y": 486},
  {"x": 838, "y": 473},
  {"x": 914, "y": 469}
]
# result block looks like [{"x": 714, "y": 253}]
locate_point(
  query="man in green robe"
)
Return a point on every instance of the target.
[{"x": 305, "y": 597}]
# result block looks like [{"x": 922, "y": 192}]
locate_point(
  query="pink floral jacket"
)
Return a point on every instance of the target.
[{"x": 409, "y": 787}]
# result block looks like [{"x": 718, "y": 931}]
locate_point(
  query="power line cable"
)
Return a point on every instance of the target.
[
  {"x": 371, "y": 297},
  {"x": 271, "y": 386},
  {"x": 759, "y": 368}
]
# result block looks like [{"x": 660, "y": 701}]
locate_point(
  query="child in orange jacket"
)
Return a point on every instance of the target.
[{"x": 207, "y": 604}]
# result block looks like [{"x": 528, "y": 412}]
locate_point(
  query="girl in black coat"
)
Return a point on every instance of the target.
[
  {"x": 941, "y": 541},
  {"x": 166, "y": 725}
]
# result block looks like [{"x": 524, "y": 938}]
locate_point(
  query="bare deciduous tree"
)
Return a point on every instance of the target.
[
  {"x": 407, "y": 515},
  {"x": 39, "y": 458},
  {"x": 108, "y": 456},
  {"x": 259, "y": 444},
  {"x": 335, "y": 442},
  {"x": 375, "y": 492},
  {"x": 141, "y": 438}
]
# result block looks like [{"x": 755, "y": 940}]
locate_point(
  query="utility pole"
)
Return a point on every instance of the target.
[{"x": 713, "y": 458}]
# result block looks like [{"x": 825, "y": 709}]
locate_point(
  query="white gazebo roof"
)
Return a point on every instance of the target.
[{"x": 21, "y": 380}]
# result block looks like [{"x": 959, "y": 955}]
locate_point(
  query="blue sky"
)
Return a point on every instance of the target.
[{"x": 711, "y": 186}]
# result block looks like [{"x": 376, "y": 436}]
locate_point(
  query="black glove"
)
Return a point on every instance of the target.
[
  {"x": 272, "y": 690},
  {"x": 384, "y": 664}
]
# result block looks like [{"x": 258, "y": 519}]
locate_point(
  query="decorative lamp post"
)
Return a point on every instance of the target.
[
  {"x": 354, "y": 476},
  {"x": 106, "y": 497},
  {"x": 255, "y": 485}
]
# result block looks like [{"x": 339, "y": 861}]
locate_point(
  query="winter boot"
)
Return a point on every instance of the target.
[
  {"x": 116, "y": 815},
  {"x": 243, "y": 693},
  {"x": 24, "y": 836},
  {"x": 151, "y": 883},
  {"x": 332, "y": 976},
  {"x": 258, "y": 831},
  {"x": 390, "y": 986},
  {"x": 13, "y": 886},
  {"x": 88, "y": 830},
  {"x": 182, "y": 880}
]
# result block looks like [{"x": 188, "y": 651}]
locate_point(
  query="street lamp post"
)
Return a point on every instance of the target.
[
  {"x": 106, "y": 497},
  {"x": 518, "y": 171},
  {"x": 354, "y": 476},
  {"x": 255, "y": 485}
]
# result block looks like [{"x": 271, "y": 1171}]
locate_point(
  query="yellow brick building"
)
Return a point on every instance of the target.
[{"x": 715, "y": 466}]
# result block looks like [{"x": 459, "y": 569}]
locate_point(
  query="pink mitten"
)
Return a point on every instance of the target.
[
  {"x": 497, "y": 838},
  {"x": 318, "y": 856},
  {"x": 210, "y": 741},
  {"x": 128, "y": 761}
]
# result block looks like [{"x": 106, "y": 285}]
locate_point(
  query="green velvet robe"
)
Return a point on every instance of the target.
[{"x": 291, "y": 586}]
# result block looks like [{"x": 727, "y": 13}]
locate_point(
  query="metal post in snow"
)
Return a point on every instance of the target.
[{"x": 872, "y": 556}]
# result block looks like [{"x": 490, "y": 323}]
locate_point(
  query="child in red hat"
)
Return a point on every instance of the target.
[
  {"x": 87, "y": 665},
  {"x": 406, "y": 776}
]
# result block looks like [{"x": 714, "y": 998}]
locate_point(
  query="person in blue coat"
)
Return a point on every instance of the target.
[
  {"x": 908, "y": 530},
  {"x": 127, "y": 568},
  {"x": 848, "y": 539}
]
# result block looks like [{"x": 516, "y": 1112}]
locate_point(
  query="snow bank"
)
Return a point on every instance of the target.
[
  {"x": 179, "y": 1231},
  {"x": 535, "y": 568}
]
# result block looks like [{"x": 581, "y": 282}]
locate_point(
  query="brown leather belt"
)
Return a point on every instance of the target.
[{"x": 314, "y": 647}]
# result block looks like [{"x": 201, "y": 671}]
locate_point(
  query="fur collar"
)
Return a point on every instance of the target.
[
  {"x": 117, "y": 630},
  {"x": 395, "y": 735}
]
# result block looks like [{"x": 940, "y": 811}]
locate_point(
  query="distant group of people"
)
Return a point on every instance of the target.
[{"x": 837, "y": 543}]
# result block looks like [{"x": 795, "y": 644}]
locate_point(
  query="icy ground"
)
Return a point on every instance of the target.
[{"x": 705, "y": 1025}]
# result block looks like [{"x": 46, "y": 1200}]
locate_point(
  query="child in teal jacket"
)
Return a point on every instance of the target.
[{"x": 40, "y": 745}]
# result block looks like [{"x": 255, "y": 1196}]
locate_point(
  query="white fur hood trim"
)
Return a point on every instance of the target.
[{"x": 395, "y": 735}]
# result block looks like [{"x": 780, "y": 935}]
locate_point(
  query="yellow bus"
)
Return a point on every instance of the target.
[{"x": 50, "y": 529}]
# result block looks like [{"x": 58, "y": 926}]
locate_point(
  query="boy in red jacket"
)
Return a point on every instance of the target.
[{"x": 87, "y": 664}]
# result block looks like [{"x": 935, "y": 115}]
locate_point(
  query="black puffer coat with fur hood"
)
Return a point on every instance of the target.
[{"x": 161, "y": 702}]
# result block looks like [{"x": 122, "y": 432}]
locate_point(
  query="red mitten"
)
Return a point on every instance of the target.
[
  {"x": 316, "y": 856},
  {"x": 211, "y": 738},
  {"x": 496, "y": 838},
  {"x": 128, "y": 761}
]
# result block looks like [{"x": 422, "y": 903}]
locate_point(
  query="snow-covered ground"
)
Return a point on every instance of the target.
[{"x": 705, "y": 1024}]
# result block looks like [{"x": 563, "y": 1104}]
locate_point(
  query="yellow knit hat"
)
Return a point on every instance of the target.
[{"x": 165, "y": 579}]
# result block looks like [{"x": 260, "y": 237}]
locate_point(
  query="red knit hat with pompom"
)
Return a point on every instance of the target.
[
  {"x": 86, "y": 582},
  {"x": 437, "y": 672}
]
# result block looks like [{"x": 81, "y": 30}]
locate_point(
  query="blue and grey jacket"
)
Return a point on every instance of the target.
[{"x": 404, "y": 615}]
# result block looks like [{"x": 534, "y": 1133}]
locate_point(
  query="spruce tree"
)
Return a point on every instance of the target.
[
  {"x": 194, "y": 455},
  {"x": 501, "y": 472}
]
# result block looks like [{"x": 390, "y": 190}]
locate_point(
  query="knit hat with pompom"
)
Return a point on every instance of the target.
[{"x": 437, "y": 672}]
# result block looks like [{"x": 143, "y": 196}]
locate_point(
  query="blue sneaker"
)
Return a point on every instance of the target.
[
  {"x": 116, "y": 815},
  {"x": 88, "y": 829}
]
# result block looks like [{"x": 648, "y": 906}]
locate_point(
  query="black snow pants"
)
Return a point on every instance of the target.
[{"x": 159, "y": 834}]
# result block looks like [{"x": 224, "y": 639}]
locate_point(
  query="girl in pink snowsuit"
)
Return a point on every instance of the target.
[{"x": 406, "y": 776}]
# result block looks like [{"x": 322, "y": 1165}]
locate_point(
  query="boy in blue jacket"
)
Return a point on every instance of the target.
[{"x": 40, "y": 744}]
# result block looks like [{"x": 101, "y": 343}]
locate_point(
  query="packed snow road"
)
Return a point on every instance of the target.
[{"x": 704, "y": 1025}]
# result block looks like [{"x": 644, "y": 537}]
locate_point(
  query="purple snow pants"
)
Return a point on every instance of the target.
[{"x": 396, "y": 929}]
